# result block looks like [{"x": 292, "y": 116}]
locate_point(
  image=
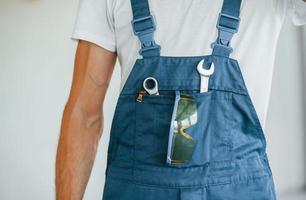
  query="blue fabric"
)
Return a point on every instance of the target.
[
  {"x": 140, "y": 8},
  {"x": 231, "y": 7},
  {"x": 229, "y": 160}
]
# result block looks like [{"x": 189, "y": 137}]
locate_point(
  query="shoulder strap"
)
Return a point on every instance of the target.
[
  {"x": 144, "y": 26},
  {"x": 228, "y": 24}
]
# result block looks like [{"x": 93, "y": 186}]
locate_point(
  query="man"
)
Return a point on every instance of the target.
[{"x": 183, "y": 28}]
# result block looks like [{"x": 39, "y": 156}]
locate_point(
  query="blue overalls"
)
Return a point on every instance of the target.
[{"x": 229, "y": 161}]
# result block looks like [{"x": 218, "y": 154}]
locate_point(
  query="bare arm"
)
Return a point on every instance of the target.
[{"x": 82, "y": 121}]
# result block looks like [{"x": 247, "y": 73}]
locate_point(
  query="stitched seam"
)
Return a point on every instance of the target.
[{"x": 241, "y": 180}]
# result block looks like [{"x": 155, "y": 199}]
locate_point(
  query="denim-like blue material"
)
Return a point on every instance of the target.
[{"x": 229, "y": 161}]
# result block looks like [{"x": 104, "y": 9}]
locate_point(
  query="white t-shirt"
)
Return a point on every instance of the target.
[{"x": 187, "y": 28}]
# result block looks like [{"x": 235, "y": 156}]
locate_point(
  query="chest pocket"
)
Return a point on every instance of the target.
[{"x": 210, "y": 133}]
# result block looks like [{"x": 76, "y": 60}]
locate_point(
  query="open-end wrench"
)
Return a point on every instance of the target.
[{"x": 205, "y": 75}]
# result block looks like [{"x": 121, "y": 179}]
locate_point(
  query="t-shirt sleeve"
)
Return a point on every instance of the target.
[
  {"x": 94, "y": 23},
  {"x": 294, "y": 9}
]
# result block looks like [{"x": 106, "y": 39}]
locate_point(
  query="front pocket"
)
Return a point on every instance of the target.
[
  {"x": 153, "y": 120},
  {"x": 212, "y": 130}
]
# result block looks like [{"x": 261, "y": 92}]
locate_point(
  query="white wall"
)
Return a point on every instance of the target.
[
  {"x": 286, "y": 117},
  {"x": 36, "y": 63}
]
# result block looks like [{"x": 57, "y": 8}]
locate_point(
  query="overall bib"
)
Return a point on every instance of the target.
[{"x": 229, "y": 161}]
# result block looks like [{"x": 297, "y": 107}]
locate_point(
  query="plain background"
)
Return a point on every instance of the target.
[{"x": 36, "y": 64}]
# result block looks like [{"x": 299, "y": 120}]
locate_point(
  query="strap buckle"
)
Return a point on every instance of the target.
[
  {"x": 144, "y": 28},
  {"x": 227, "y": 26},
  {"x": 143, "y": 20},
  {"x": 225, "y": 21}
]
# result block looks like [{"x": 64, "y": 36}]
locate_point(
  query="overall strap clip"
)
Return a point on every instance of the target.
[
  {"x": 227, "y": 25},
  {"x": 144, "y": 28},
  {"x": 226, "y": 31}
]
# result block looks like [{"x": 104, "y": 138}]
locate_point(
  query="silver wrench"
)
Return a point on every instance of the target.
[
  {"x": 205, "y": 75},
  {"x": 150, "y": 84}
]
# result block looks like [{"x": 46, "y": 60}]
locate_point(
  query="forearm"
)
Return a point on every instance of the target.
[
  {"x": 82, "y": 121},
  {"x": 80, "y": 134}
]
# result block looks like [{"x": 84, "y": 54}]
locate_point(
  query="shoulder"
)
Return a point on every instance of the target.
[{"x": 294, "y": 9}]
